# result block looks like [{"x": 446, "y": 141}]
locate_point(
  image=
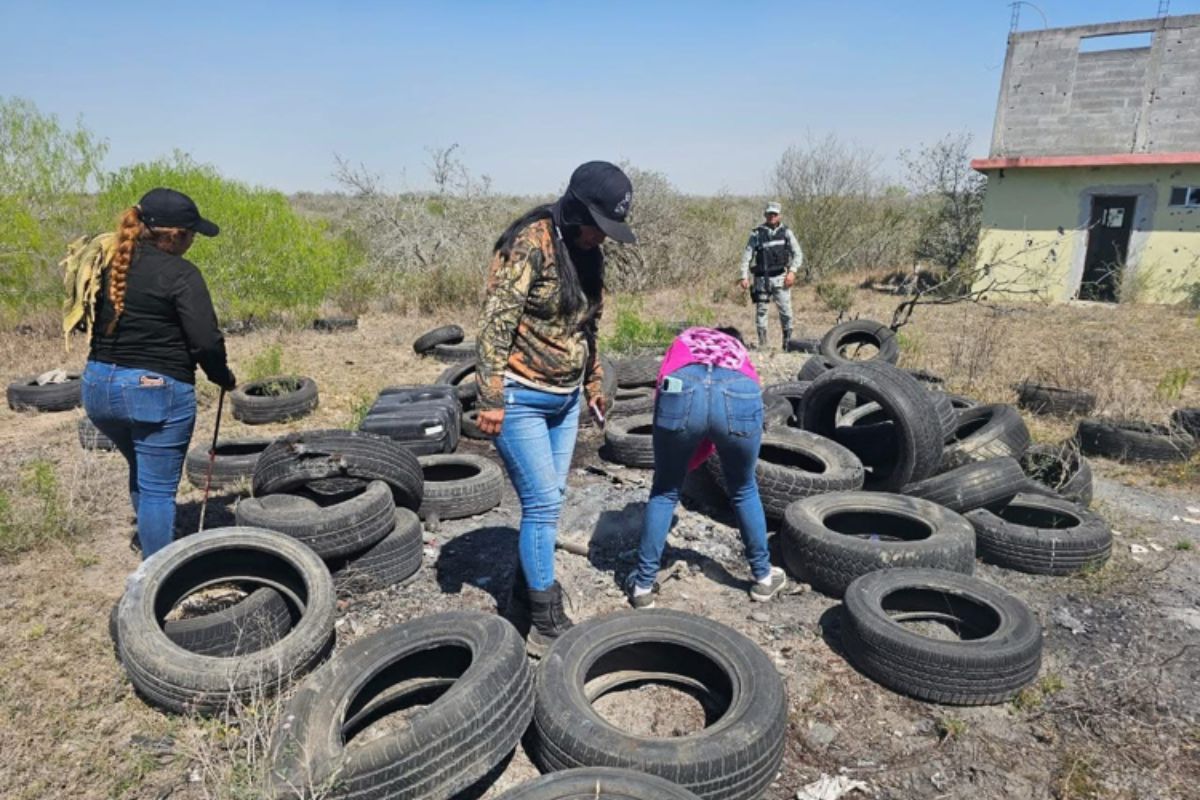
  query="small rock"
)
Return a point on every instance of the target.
[
  {"x": 821, "y": 734},
  {"x": 1137, "y": 549},
  {"x": 1158, "y": 548},
  {"x": 758, "y": 616},
  {"x": 939, "y": 781}
]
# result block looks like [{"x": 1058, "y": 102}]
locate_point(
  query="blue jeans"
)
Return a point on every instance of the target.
[
  {"x": 536, "y": 441},
  {"x": 722, "y": 405},
  {"x": 151, "y": 426}
]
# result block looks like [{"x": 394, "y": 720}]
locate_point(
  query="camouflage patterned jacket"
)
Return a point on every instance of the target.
[{"x": 522, "y": 334}]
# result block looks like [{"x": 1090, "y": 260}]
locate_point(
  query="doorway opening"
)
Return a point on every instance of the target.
[{"x": 1109, "y": 230}]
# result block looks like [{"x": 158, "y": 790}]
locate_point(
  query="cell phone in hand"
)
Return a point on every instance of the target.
[{"x": 597, "y": 414}]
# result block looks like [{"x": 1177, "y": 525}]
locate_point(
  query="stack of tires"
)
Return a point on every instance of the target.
[
  {"x": 946, "y": 483},
  {"x": 349, "y": 497},
  {"x": 470, "y": 672},
  {"x": 446, "y": 343},
  {"x": 224, "y": 661},
  {"x": 424, "y": 419}
]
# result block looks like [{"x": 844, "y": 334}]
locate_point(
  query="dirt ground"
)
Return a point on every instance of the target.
[{"x": 1114, "y": 714}]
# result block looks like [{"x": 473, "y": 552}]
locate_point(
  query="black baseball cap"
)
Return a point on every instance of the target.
[
  {"x": 607, "y": 193},
  {"x": 167, "y": 208}
]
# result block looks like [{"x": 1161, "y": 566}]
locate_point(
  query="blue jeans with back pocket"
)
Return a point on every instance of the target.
[
  {"x": 724, "y": 406},
  {"x": 150, "y": 418}
]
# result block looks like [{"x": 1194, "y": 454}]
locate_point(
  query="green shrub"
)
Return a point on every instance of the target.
[
  {"x": 266, "y": 363},
  {"x": 45, "y": 169},
  {"x": 268, "y": 261},
  {"x": 34, "y": 512},
  {"x": 632, "y": 331},
  {"x": 836, "y": 297},
  {"x": 1171, "y": 387}
]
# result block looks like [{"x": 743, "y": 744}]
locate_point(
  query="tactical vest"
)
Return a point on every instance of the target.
[{"x": 773, "y": 253}]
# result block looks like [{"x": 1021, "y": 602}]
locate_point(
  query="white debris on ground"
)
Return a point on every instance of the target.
[{"x": 829, "y": 788}]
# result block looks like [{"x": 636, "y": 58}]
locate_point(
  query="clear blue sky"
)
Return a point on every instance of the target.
[{"x": 710, "y": 93}]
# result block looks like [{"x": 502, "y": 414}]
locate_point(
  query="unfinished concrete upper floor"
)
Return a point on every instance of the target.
[{"x": 1066, "y": 91}]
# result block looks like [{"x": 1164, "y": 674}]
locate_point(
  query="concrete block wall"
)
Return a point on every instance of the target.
[{"x": 1055, "y": 100}]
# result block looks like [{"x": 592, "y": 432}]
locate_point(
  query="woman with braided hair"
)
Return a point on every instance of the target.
[{"x": 154, "y": 324}]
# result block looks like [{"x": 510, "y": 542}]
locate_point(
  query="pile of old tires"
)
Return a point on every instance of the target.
[
  {"x": 350, "y": 497},
  {"x": 424, "y": 419},
  {"x": 240, "y": 655},
  {"x": 470, "y": 671},
  {"x": 446, "y": 343}
]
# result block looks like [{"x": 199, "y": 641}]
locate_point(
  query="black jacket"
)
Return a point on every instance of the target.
[{"x": 169, "y": 325}]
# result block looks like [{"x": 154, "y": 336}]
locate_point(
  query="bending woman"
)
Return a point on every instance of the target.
[
  {"x": 536, "y": 355},
  {"x": 154, "y": 323},
  {"x": 708, "y": 401}
]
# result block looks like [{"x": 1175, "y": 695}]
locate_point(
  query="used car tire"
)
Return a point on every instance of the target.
[
  {"x": 274, "y": 399},
  {"x": 181, "y": 681},
  {"x": 636, "y": 371},
  {"x": 633, "y": 402},
  {"x": 859, "y": 332},
  {"x": 331, "y": 324},
  {"x": 234, "y": 463},
  {"x": 980, "y": 484},
  {"x": 446, "y": 334},
  {"x": 1134, "y": 441},
  {"x": 455, "y": 353},
  {"x": 258, "y": 620},
  {"x": 735, "y": 758},
  {"x": 630, "y": 441},
  {"x": 299, "y": 458},
  {"x": 792, "y": 391},
  {"x": 917, "y": 450},
  {"x": 803, "y": 345},
  {"x": 830, "y": 540},
  {"x": 394, "y": 559},
  {"x": 460, "y": 485},
  {"x": 998, "y": 652},
  {"x": 1187, "y": 420},
  {"x": 470, "y": 425},
  {"x": 1061, "y": 469},
  {"x": 345, "y": 526},
  {"x": 1041, "y": 398},
  {"x": 90, "y": 437},
  {"x": 1042, "y": 536},
  {"x": 777, "y": 411},
  {"x": 25, "y": 395},
  {"x": 598, "y": 783},
  {"x": 815, "y": 366},
  {"x": 984, "y": 432},
  {"x": 470, "y": 667},
  {"x": 961, "y": 402},
  {"x": 793, "y": 464},
  {"x": 462, "y": 377}
]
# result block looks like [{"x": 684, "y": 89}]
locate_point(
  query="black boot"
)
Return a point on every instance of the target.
[
  {"x": 516, "y": 608},
  {"x": 762, "y": 338},
  {"x": 787, "y": 337},
  {"x": 549, "y": 620}
]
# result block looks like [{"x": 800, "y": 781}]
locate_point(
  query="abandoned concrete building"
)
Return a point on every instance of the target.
[{"x": 1094, "y": 170}]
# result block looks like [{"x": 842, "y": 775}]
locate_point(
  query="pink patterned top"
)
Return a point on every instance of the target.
[{"x": 706, "y": 346}]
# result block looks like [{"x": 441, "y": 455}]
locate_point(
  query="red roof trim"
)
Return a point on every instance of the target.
[{"x": 1113, "y": 160}]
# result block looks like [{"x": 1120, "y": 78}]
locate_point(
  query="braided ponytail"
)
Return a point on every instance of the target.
[{"x": 129, "y": 230}]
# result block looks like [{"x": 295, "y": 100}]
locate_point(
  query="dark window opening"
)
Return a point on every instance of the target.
[{"x": 1185, "y": 196}]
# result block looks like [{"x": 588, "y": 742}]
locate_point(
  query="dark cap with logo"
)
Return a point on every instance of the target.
[
  {"x": 607, "y": 193},
  {"x": 167, "y": 208}
]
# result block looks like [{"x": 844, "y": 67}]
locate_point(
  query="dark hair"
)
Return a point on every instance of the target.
[
  {"x": 731, "y": 331},
  {"x": 576, "y": 285}
]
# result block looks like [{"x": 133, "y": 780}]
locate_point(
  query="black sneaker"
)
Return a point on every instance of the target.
[
  {"x": 639, "y": 600},
  {"x": 762, "y": 592}
]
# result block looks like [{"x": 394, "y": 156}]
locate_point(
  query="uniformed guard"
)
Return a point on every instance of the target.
[{"x": 776, "y": 255}]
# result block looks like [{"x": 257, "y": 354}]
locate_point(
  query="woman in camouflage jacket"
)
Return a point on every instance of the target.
[{"x": 536, "y": 357}]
